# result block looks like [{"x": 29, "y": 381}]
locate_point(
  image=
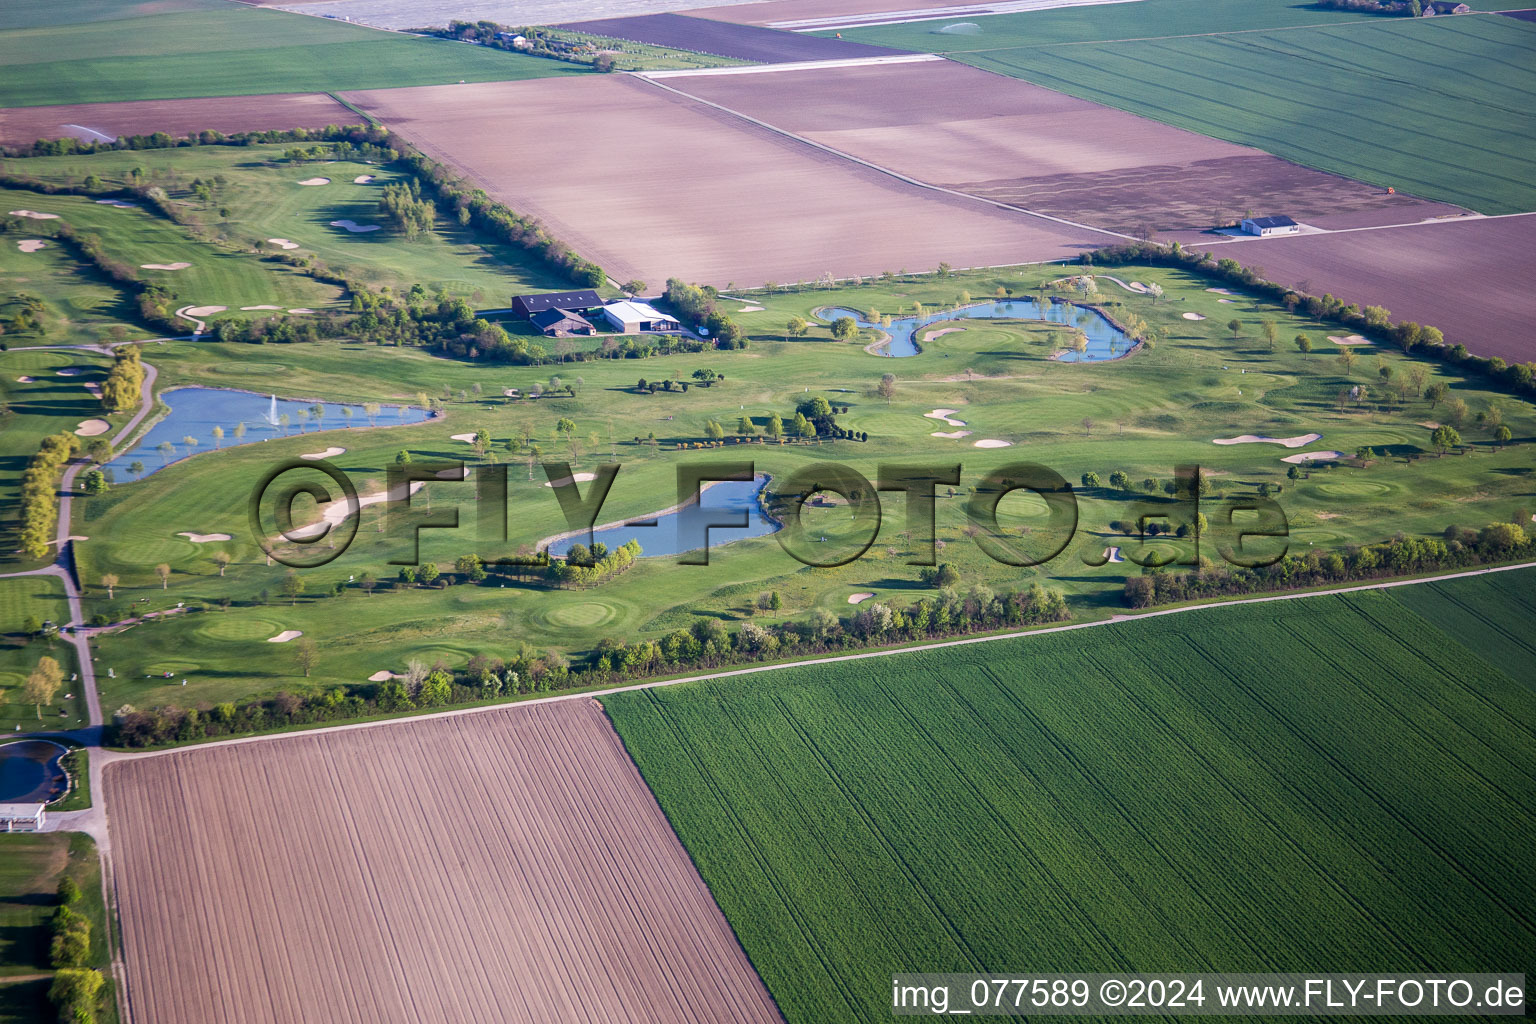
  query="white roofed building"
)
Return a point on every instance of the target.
[
  {"x": 632, "y": 317},
  {"x": 22, "y": 817}
]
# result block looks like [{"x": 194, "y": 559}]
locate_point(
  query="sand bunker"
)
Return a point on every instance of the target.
[
  {"x": 70, "y": 371},
  {"x": 579, "y": 478},
  {"x": 1353, "y": 339},
  {"x": 353, "y": 226},
  {"x": 315, "y": 181},
  {"x": 117, "y": 203},
  {"x": 34, "y": 215},
  {"x": 203, "y": 538},
  {"x": 941, "y": 332},
  {"x": 285, "y": 636},
  {"x": 856, "y": 598},
  {"x": 284, "y": 243},
  {"x": 953, "y": 435},
  {"x": 301, "y": 309},
  {"x": 945, "y": 414},
  {"x": 1430, "y": 424},
  {"x": 31, "y": 244},
  {"x": 204, "y": 310},
  {"x": 1222, "y": 291},
  {"x": 750, "y": 309},
  {"x": 383, "y": 675},
  {"x": 990, "y": 442},
  {"x": 165, "y": 266},
  {"x": 1289, "y": 442},
  {"x": 362, "y": 179},
  {"x": 1113, "y": 555},
  {"x": 23, "y": 379},
  {"x": 93, "y": 388},
  {"x": 1227, "y": 301},
  {"x": 327, "y": 454},
  {"x": 510, "y": 393},
  {"x": 1193, "y": 316},
  {"x": 466, "y": 438},
  {"x": 1313, "y": 457},
  {"x": 252, "y": 308},
  {"x": 90, "y": 428}
]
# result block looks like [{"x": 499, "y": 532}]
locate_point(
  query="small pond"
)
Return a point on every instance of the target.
[
  {"x": 30, "y": 772},
  {"x": 1105, "y": 340},
  {"x": 194, "y": 412},
  {"x": 680, "y": 531}
]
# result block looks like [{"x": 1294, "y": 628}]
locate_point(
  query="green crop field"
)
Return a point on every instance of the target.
[
  {"x": 30, "y": 869},
  {"x": 1331, "y": 97},
  {"x": 1151, "y": 796},
  {"x": 216, "y": 48}
]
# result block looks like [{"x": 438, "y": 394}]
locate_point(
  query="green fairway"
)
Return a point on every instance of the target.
[
  {"x": 30, "y": 869},
  {"x": 1145, "y": 414},
  {"x": 40, "y": 598},
  {"x": 1331, "y": 780},
  {"x": 260, "y": 198},
  {"x": 226, "y": 49},
  {"x": 1331, "y": 97}
]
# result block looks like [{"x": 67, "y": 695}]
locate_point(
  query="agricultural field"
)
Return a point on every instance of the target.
[
  {"x": 741, "y": 42},
  {"x": 1149, "y": 797},
  {"x": 1145, "y": 414},
  {"x": 506, "y": 865},
  {"x": 40, "y": 598},
  {"x": 89, "y": 122},
  {"x": 1285, "y": 91},
  {"x": 759, "y": 207},
  {"x": 262, "y": 198},
  {"x": 135, "y": 51},
  {"x": 31, "y": 867},
  {"x": 1403, "y": 269},
  {"x": 1001, "y": 139}
]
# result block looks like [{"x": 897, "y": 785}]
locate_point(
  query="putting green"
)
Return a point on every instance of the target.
[
  {"x": 222, "y": 626},
  {"x": 1354, "y": 488},
  {"x": 245, "y": 369},
  {"x": 581, "y": 616},
  {"x": 1314, "y": 536}
]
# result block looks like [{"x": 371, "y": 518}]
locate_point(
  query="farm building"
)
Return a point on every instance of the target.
[
  {"x": 1435, "y": 7},
  {"x": 1267, "y": 226},
  {"x": 560, "y": 323},
  {"x": 631, "y": 317},
  {"x": 575, "y": 302},
  {"x": 22, "y": 817}
]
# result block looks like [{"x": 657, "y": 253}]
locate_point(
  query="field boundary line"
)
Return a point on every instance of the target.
[
  {"x": 889, "y": 172},
  {"x": 112, "y": 756},
  {"x": 798, "y": 65}
]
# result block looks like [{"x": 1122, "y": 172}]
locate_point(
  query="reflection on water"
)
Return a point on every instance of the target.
[
  {"x": 1105, "y": 340},
  {"x": 683, "y": 530}
]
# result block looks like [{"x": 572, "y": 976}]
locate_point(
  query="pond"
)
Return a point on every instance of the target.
[
  {"x": 1105, "y": 340},
  {"x": 30, "y": 772},
  {"x": 194, "y": 412},
  {"x": 679, "y": 531}
]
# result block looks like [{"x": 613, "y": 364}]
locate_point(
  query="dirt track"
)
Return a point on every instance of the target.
[
  {"x": 227, "y": 114},
  {"x": 505, "y": 866},
  {"x": 670, "y": 187}
]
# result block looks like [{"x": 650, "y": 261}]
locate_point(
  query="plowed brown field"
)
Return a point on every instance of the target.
[
  {"x": 655, "y": 185},
  {"x": 503, "y": 866},
  {"x": 1000, "y": 138},
  {"x": 227, "y": 114},
  {"x": 1421, "y": 272}
]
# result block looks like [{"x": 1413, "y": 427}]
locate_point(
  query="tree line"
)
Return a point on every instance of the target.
[{"x": 40, "y": 491}]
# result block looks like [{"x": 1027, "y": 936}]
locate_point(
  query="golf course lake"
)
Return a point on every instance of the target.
[
  {"x": 30, "y": 772},
  {"x": 194, "y": 412},
  {"x": 683, "y": 529},
  {"x": 1105, "y": 340}
]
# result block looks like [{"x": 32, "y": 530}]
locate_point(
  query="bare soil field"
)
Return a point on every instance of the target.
[
  {"x": 770, "y": 12},
  {"x": 1420, "y": 273},
  {"x": 1005, "y": 139},
  {"x": 726, "y": 39},
  {"x": 227, "y": 114},
  {"x": 671, "y": 187},
  {"x": 503, "y": 866}
]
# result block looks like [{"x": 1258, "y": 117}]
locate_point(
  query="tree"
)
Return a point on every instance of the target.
[
  {"x": 164, "y": 572},
  {"x": 1271, "y": 333},
  {"x": 43, "y": 684},
  {"x": 402, "y": 458},
  {"x": 109, "y": 580},
  {"x": 1444, "y": 438},
  {"x": 305, "y": 655},
  {"x": 775, "y": 427},
  {"x": 887, "y": 386},
  {"x": 435, "y": 690},
  {"x": 804, "y": 427},
  {"x": 293, "y": 586},
  {"x": 797, "y": 327},
  {"x": 76, "y": 992},
  {"x": 1087, "y": 422},
  {"x": 632, "y": 287},
  {"x": 1236, "y": 327},
  {"x": 136, "y": 468},
  {"x": 845, "y": 328},
  {"x": 1436, "y": 394},
  {"x": 1502, "y": 435},
  {"x": 1347, "y": 357},
  {"x": 713, "y": 430},
  {"x": 220, "y": 559},
  {"x": 775, "y": 602},
  {"x": 1304, "y": 344},
  {"x": 428, "y": 572},
  {"x": 744, "y": 426},
  {"x": 1090, "y": 479}
]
